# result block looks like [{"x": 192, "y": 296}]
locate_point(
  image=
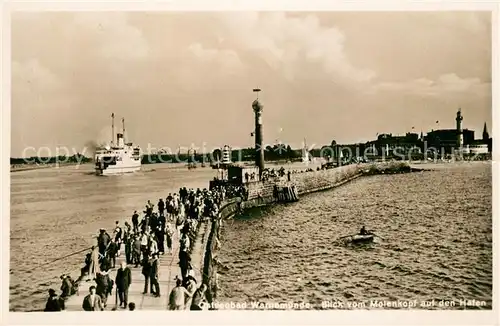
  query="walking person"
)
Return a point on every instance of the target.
[
  {"x": 67, "y": 287},
  {"x": 144, "y": 245},
  {"x": 160, "y": 238},
  {"x": 128, "y": 247},
  {"x": 144, "y": 223},
  {"x": 123, "y": 281},
  {"x": 153, "y": 246},
  {"x": 161, "y": 207},
  {"x": 169, "y": 233},
  {"x": 111, "y": 253},
  {"x": 184, "y": 262},
  {"x": 136, "y": 254},
  {"x": 103, "y": 240},
  {"x": 54, "y": 303},
  {"x": 135, "y": 222},
  {"x": 155, "y": 285},
  {"x": 146, "y": 271},
  {"x": 94, "y": 263},
  {"x": 118, "y": 236},
  {"x": 103, "y": 283},
  {"x": 92, "y": 302},
  {"x": 178, "y": 296}
]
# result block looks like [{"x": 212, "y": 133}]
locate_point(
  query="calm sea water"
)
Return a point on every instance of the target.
[{"x": 437, "y": 243}]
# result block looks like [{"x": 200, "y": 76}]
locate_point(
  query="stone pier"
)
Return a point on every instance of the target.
[{"x": 168, "y": 270}]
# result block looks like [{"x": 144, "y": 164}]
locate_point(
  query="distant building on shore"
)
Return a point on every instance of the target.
[
  {"x": 445, "y": 141},
  {"x": 388, "y": 143}
]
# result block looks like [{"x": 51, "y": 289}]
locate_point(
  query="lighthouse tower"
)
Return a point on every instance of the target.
[
  {"x": 460, "y": 135},
  {"x": 259, "y": 149}
]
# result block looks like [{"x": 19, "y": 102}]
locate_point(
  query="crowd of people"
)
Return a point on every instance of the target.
[
  {"x": 144, "y": 241},
  {"x": 278, "y": 174}
]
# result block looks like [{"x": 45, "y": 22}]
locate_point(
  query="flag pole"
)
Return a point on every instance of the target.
[
  {"x": 257, "y": 90},
  {"x": 112, "y": 129}
]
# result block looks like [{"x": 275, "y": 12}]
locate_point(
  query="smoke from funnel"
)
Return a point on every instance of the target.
[{"x": 91, "y": 147}]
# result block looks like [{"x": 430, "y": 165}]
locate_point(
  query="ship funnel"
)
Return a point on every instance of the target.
[{"x": 119, "y": 140}]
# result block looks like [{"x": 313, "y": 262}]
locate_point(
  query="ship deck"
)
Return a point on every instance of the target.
[{"x": 168, "y": 270}]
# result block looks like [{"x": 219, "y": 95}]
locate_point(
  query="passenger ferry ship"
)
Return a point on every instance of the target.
[{"x": 117, "y": 158}]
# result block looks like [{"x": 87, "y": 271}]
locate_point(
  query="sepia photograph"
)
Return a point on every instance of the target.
[{"x": 251, "y": 160}]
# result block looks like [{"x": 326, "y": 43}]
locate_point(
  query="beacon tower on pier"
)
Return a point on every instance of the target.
[
  {"x": 259, "y": 147},
  {"x": 460, "y": 136}
]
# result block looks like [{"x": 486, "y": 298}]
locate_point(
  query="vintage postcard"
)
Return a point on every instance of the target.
[{"x": 256, "y": 159}]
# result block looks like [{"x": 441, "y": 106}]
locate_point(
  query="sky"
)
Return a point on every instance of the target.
[{"x": 184, "y": 79}]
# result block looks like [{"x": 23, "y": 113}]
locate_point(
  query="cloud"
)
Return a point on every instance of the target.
[
  {"x": 37, "y": 91},
  {"x": 31, "y": 74},
  {"x": 117, "y": 38},
  {"x": 287, "y": 43},
  {"x": 226, "y": 59},
  {"x": 445, "y": 84},
  {"x": 40, "y": 103},
  {"x": 203, "y": 68}
]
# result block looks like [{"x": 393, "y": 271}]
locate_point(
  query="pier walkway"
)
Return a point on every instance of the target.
[{"x": 168, "y": 270}]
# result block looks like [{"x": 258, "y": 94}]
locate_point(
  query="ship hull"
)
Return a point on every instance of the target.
[{"x": 113, "y": 170}]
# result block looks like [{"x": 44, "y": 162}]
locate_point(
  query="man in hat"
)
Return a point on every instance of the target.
[
  {"x": 66, "y": 286},
  {"x": 136, "y": 253},
  {"x": 184, "y": 261},
  {"x": 103, "y": 283},
  {"x": 92, "y": 302},
  {"x": 127, "y": 240},
  {"x": 144, "y": 223},
  {"x": 123, "y": 281},
  {"x": 53, "y": 302},
  {"x": 111, "y": 253},
  {"x": 103, "y": 240},
  {"x": 161, "y": 207},
  {"x": 118, "y": 235},
  {"x": 135, "y": 221}
]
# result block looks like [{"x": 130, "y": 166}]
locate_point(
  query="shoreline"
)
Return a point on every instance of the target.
[{"x": 30, "y": 167}]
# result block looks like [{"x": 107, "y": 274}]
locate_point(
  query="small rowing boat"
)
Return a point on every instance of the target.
[{"x": 358, "y": 238}]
